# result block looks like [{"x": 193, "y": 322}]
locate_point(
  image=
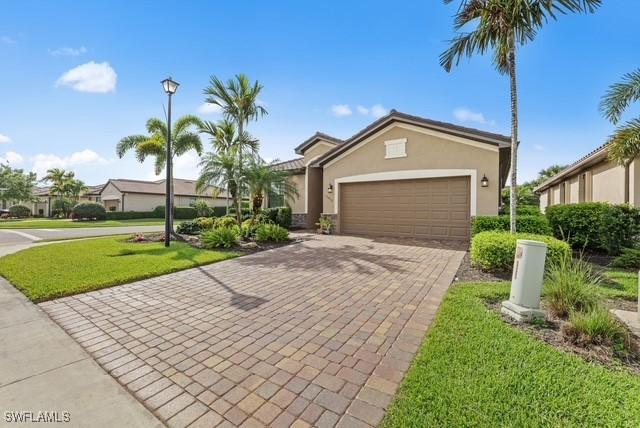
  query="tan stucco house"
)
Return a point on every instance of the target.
[
  {"x": 402, "y": 175},
  {"x": 592, "y": 178},
  {"x": 42, "y": 205},
  {"x": 138, "y": 195}
]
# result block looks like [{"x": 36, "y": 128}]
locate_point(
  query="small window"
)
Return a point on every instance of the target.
[{"x": 396, "y": 148}]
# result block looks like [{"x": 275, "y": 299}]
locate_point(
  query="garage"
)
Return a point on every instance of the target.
[{"x": 431, "y": 208}]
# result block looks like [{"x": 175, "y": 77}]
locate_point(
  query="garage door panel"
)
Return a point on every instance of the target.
[{"x": 436, "y": 208}]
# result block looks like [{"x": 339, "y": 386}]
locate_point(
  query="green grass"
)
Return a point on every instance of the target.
[
  {"x": 625, "y": 285},
  {"x": 47, "y": 223},
  {"x": 54, "y": 270},
  {"x": 476, "y": 370}
]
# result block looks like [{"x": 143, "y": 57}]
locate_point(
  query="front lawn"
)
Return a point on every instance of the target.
[
  {"x": 476, "y": 370},
  {"x": 54, "y": 270},
  {"x": 624, "y": 286},
  {"x": 48, "y": 223}
]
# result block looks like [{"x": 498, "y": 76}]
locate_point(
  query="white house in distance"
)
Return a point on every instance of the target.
[{"x": 134, "y": 195}]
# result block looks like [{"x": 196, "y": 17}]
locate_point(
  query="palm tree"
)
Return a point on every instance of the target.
[
  {"x": 501, "y": 26},
  {"x": 184, "y": 137},
  {"x": 57, "y": 178},
  {"x": 73, "y": 188},
  {"x": 262, "y": 179},
  {"x": 624, "y": 144},
  {"x": 219, "y": 170},
  {"x": 238, "y": 99}
]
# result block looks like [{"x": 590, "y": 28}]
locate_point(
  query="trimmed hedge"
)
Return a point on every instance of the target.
[
  {"x": 629, "y": 259},
  {"x": 495, "y": 250},
  {"x": 596, "y": 225},
  {"x": 179, "y": 213},
  {"x": 132, "y": 215},
  {"x": 526, "y": 224},
  {"x": 19, "y": 211},
  {"x": 88, "y": 211},
  {"x": 523, "y": 210}
]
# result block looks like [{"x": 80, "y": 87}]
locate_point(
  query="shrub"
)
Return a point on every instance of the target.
[
  {"x": 131, "y": 215},
  {"x": 179, "y": 213},
  {"x": 629, "y": 259},
  {"x": 226, "y": 221},
  {"x": 189, "y": 227},
  {"x": 62, "y": 207},
  {"x": 19, "y": 211},
  {"x": 571, "y": 285},
  {"x": 283, "y": 217},
  {"x": 202, "y": 208},
  {"x": 526, "y": 224},
  {"x": 271, "y": 232},
  {"x": 218, "y": 211},
  {"x": 89, "y": 211},
  {"x": 222, "y": 237},
  {"x": 579, "y": 224},
  {"x": 205, "y": 223},
  {"x": 621, "y": 228},
  {"x": 523, "y": 210},
  {"x": 495, "y": 250},
  {"x": 596, "y": 326}
]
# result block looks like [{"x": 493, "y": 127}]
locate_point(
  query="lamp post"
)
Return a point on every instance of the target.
[{"x": 170, "y": 87}]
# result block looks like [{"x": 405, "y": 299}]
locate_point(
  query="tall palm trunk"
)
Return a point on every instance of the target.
[
  {"x": 239, "y": 172},
  {"x": 514, "y": 138}
]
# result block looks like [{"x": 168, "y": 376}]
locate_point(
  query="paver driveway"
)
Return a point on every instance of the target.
[{"x": 316, "y": 333}]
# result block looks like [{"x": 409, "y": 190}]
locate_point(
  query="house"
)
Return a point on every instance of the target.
[
  {"x": 592, "y": 178},
  {"x": 132, "y": 195},
  {"x": 402, "y": 175},
  {"x": 138, "y": 195},
  {"x": 42, "y": 205}
]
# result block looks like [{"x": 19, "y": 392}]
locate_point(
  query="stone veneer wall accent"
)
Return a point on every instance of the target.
[
  {"x": 334, "y": 221},
  {"x": 299, "y": 220}
]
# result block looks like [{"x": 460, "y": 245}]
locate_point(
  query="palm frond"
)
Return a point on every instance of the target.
[
  {"x": 620, "y": 95},
  {"x": 129, "y": 143},
  {"x": 624, "y": 144},
  {"x": 187, "y": 141}
]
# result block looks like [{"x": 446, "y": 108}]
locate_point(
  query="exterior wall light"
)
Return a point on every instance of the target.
[
  {"x": 330, "y": 188},
  {"x": 484, "y": 182}
]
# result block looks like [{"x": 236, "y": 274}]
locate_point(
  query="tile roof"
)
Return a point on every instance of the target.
[
  {"x": 586, "y": 158},
  {"x": 289, "y": 165},
  {"x": 181, "y": 187},
  {"x": 92, "y": 190},
  {"x": 315, "y": 137}
]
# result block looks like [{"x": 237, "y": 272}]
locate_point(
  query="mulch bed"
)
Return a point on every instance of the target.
[
  {"x": 468, "y": 273},
  {"x": 246, "y": 247},
  {"x": 550, "y": 332}
]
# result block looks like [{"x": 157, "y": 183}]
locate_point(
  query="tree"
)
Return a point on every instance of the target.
[
  {"x": 262, "y": 179},
  {"x": 501, "y": 26},
  {"x": 624, "y": 144},
  {"x": 238, "y": 99},
  {"x": 219, "y": 170},
  {"x": 524, "y": 193},
  {"x": 57, "y": 177},
  {"x": 16, "y": 185},
  {"x": 184, "y": 137},
  {"x": 73, "y": 188}
]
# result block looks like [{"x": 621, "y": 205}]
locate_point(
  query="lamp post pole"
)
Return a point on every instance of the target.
[{"x": 170, "y": 87}]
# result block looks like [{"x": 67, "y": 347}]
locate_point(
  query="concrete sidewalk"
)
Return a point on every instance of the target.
[{"x": 42, "y": 369}]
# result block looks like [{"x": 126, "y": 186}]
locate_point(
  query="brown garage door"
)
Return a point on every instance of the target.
[{"x": 434, "y": 208}]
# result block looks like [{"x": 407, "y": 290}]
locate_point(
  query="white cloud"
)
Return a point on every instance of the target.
[
  {"x": 362, "y": 110},
  {"x": 44, "y": 161},
  {"x": 341, "y": 110},
  {"x": 12, "y": 158},
  {"x": 90, "y": 77},
  {"x": 4, "y": 139},
  {"x": 464, "y": 114},
  {"x": 376, "y": 111},
  {"x": 8, "y": 40},
  {"x": 66, "y": 51},
  {"x": 208, "y": 108},
  {"x": 539, "y": 147}
]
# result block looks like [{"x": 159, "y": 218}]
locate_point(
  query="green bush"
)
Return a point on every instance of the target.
[
  {"x": 218, "y": 211},
  {"x": 621, "y": 228},
  {"x": 222, "y": 237},
  {"x": 179, "y": 213},
  {"x": 202, "y": 208},
  {"x": 571, "y": 285},
  {"x": 629, "y": 259},
  {"x": 89, "y": 211},
  {"x": 132, "y": 215},
  {"x": 189, "y": 227},
  {"x": 495, "y": 250},
  {"x": 226, "y": 221},
  {"x": 578, "y": 224},
  {"x": 19, "y": 211},
  {"x": 271, "y": 232},
  {"x": 205, "y": 223},
  {"x": 523, "y": 210},
  {"x": 526, "y": 224},
  {"x": 62, "y": 207},
  {"x": 284, "y": 217},
  {"x": 596, "y": 326}
]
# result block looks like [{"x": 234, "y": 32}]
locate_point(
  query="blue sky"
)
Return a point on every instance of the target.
[{"x": 318, "y": 61}]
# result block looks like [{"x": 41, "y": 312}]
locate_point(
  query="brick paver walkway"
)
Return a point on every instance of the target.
[{"x": 318, "y": 333}]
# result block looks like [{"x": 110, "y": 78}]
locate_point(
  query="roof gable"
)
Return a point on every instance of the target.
[{"x": 316, "y": 138}]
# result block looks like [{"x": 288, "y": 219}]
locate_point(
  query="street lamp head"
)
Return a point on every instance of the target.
[{"x": 169, "y": 86}]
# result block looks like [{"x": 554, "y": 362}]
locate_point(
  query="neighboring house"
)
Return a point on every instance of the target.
[
  {"x": 402, "y": 175},
  {"x": 592, "y": 178},
  {"x": 138, "y": 195},
  {"x": 43, "y": 199}
]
